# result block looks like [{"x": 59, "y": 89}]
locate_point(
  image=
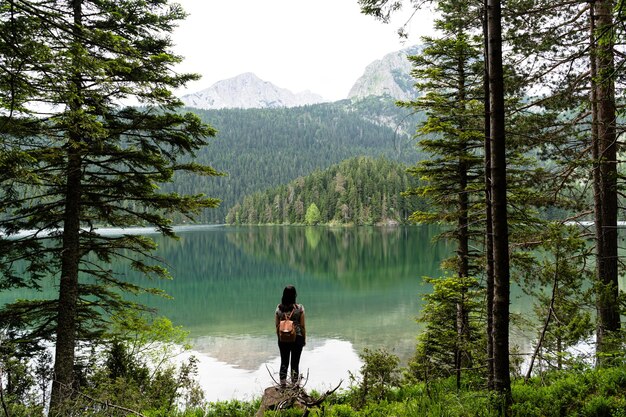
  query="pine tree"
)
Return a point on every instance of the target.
[
  {"x": 449, "y": 72},
  {"x": 604, "y": 133},
  {"x": 75, "y": 159},
  {"x": 575, "y": 65}
]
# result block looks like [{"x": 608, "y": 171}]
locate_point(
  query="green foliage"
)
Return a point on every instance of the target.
[
  {"x": 135, "y": 370},
  {"x": 289, "y": 412},
  {"x": 25, "y": 372},
  {"x": 448, "y": 72},
  {"x": 157, "y": 339},
  {"x": 557, "y": 276},
  {"x": 589, "y": 393},
  {"x": 232, "y": 408},
  {"x": 378, "y": 375},
  {"x": 312, "y": 216},
  {"x": 357, "y": 191},
  {"x": 342, "y": 410},
  {"x": 129, "y": 382},
  {"x": 84, "y": 161},
  {"x": 444, "y": 346}
]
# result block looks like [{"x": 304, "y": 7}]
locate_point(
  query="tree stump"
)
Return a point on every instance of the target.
[{"x": 291, "y": 396}]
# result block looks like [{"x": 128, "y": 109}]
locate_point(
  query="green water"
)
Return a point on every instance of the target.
[
  {"x": 363, "y": 285},
  {"x": 359, "y": 284}
]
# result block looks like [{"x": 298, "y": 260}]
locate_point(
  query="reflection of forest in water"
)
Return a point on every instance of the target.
[
  {"x": 360, "y": 284},
  {"x": 358, "y": 258}
]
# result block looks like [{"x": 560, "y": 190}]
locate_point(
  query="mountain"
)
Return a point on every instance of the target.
[
  {"x": 248, "y": 91},
  {"x": 263, "y": 148},
  {"x": 267, "y": 137},
  {"x": 389, "y": 76}
]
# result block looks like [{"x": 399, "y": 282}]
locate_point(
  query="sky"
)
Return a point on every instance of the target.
[{"x": 318, "y": 45}]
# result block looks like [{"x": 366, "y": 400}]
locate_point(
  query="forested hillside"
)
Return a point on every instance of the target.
[
  {"x": 360, "y": 190},
  {"x": 263, "y": 148}
]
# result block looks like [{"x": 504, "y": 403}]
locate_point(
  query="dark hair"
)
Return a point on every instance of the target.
[{"x": 289, "y": 298}]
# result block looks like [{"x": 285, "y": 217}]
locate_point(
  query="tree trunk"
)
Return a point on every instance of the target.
[
  {"x": 488, "y": 220},
  {"x": 502, "y": 379},
  {"x": 462, "y": 319},
  {"x": 70, "y": 255},
  {"x": 608, "y": 320},
  {"x": 68, "y": 289}
]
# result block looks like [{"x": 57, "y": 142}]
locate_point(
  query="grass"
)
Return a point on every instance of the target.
[{"x": 591, "y": 393}]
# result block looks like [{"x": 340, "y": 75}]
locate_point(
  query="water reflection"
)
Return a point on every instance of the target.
[
  {"x": 242, "y": 367},
  {"x": 361, "y": 286},
  {"x": 358, "y": 284}
]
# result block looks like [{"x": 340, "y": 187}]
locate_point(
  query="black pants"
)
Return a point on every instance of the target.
[{"x": 293, "y": 349}]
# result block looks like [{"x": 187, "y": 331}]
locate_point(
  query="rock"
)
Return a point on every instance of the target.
[
  {"x": 389, "y": 76},
  {"x": 279, "y": 398}
]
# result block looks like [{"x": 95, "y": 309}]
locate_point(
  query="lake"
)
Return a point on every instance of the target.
[{"x": 361, "y": 287}]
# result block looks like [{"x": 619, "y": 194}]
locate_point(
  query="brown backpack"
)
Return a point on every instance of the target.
[{"x": 286, "y": 329}]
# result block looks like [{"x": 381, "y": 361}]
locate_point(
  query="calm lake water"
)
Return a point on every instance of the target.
[{"x": 361, "y": 287}]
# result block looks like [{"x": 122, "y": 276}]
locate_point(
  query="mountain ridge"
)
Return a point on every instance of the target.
[
  {"x": 263, "y": 148},
  {"x": 247, "y": 91},
  {"x": 389, "y": 76}
]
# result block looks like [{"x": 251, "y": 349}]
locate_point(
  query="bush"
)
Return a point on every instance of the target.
[
  {"x": 342, "y": 410},
  {"x": 290, "y": 412},
  {"x": 231, "y": 409},
  {"x": 379, "y": 374},
  {"x": 597, "y": 407}
]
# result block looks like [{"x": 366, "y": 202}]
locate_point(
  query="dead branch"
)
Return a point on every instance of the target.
[
  {"x": 321, "y": 399},
  {"x": 281, "y": 397},
  {"x": 555, "y": 286}
]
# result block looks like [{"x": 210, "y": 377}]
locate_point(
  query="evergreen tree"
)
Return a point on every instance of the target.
[
  {"x": 498, "y": 198},
  {"x": 575, "y": 65},
  {"x": 313, "y": 215},
  {"x": 74, "y": 159},
  {"x": 441, "y": 343},
  {"x": 604, "y": 145},
  {"x": 449, "y": 72}
]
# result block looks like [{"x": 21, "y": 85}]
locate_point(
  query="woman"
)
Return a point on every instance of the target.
[{"x": 288, "y": 309}]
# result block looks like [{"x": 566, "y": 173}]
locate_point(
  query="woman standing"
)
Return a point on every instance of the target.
[{"x": 288, "y": 309}]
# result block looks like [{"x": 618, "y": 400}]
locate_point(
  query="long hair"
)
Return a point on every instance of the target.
[{"x": 289, "y": 298}]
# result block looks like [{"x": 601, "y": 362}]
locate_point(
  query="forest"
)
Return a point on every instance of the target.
[
  {"x": 358, "y": 191},
  {"x": 519, "y": 115},
  {"x": 307, "y": 138}
]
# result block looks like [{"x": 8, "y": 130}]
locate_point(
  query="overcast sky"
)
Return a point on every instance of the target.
[{"x": 317, "y": 45}]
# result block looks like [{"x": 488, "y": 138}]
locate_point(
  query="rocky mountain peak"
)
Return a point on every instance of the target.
[
  {"x": 248, "y": 91},
  {"x": 389, "y": 76}
]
